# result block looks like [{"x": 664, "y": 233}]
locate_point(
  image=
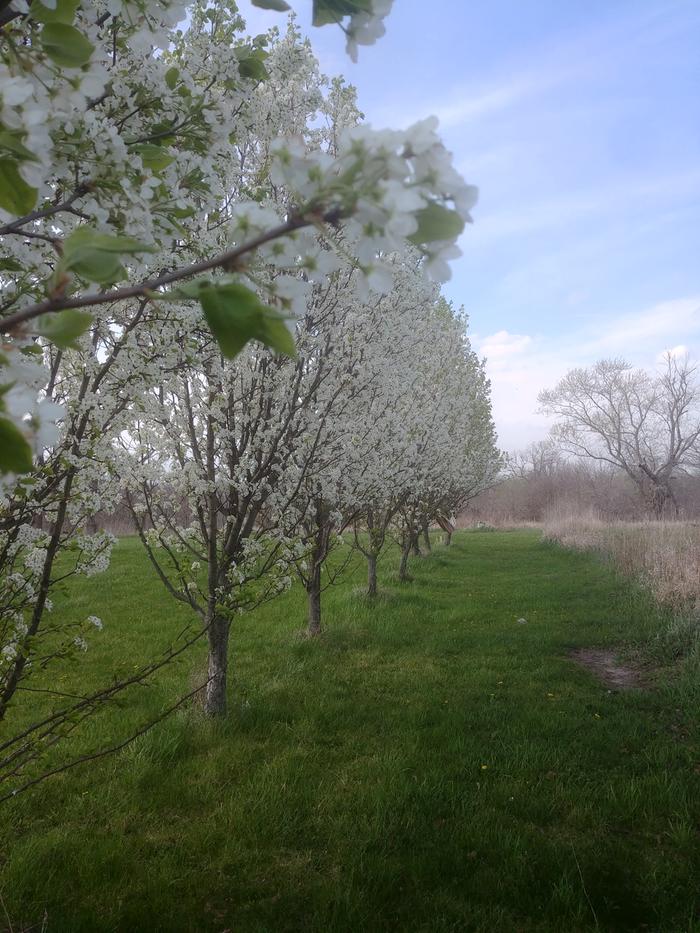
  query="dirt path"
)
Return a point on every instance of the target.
[{"x": 604, "y": 664}]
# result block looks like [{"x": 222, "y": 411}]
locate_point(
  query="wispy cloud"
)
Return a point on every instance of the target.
[
  {"x": 639, "y": 194},
  {"x": 521, "y": 365}
]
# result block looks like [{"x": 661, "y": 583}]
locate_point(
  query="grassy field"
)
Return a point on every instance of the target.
[{"x": 429, "y": 764}]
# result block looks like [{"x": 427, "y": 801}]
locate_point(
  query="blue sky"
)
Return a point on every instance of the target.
[{"x": 579, "y": 120}]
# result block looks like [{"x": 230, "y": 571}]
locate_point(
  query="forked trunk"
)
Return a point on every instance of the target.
[
  {"x": 448, "y": 538},
  {"x": 415, "y": 546},
  {"x": 215, "y": 698}
]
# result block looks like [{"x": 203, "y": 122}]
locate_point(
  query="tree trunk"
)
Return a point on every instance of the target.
[
  {"x": 313, "y": 592},
  {"x": 371, "y": 574},
  {"x": 405, "y": 554},
  {"x": 676, "y": 507},
  {"x": 448, "y": 538},
  {"x": 658, "y": 501},
  {"x": 415, "y": 546},
  {"x": 215, "y": 699},
  {"x": 426, "y": 537}
]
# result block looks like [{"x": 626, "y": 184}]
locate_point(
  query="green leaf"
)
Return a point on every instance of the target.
[
  {"x": 63, "y": 327},
  {"x": 171, "y": 77},
  {"x": 436, "y": 223},
  {"x": 187, "y": 290},
  {"x": 97, "y": 256},
  {"x": 16, "y": 196},
  {"x": 64, "y": 12},
  {"x": 15, "y": 452},
  {"x": 105, "y": 242},
  {"x": 11, "y": 143},
  {"x": 7, "y": 264},
  {"x": 277, "y": 335},
  {"x": 252, "y": 65},
  {"x": 65, "y": 45},
  {"x": 154, "y": 157},
  {"x": 333, "y": 11},
  {"x": 236, "y": 315},
  {"x": 279, "y": 6}
]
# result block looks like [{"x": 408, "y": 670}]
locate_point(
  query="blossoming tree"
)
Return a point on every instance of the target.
[{"x": 165, "y": 199}]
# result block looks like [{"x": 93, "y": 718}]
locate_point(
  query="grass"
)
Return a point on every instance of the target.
[
  {"x": 429, "y": 764},
  {"x": 663, "y": 556}
]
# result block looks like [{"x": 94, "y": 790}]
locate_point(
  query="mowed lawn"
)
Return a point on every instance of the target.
[{"x": 430, "y": 763}]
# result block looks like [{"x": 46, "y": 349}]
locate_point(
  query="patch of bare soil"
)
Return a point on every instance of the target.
[{"x": 604, "y": 664}]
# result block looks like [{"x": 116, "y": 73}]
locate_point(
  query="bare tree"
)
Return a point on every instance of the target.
[
  {"x": 646, "y": 425},
  {"x": 541, "y": 458}
]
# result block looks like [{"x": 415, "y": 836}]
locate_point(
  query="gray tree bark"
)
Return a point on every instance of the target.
[
  {"x": 372, "y": 575},
  {"x": 426, "y": 536},
  {"x": 215, "y": 698},
  {"x": 405, "y": 554},
  {"x": 313, "y": 593},
  {"x": 415, "y": 546}
]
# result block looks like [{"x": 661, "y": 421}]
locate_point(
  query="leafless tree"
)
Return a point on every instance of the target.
[
  {"x": 541, "y": 458},
  {"x": 646, "y": 425}
]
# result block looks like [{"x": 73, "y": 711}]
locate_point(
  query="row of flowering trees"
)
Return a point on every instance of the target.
[{"x": 219, "y": 306}]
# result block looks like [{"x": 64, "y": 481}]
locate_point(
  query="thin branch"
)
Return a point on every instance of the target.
[
  {"x": 147, "y": 289},
  {"x": 106, "y": 751},
  {"x": 15, "y": 226}
]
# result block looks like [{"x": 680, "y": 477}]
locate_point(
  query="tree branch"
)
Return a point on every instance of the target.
[{"x": 146, "y": 289}]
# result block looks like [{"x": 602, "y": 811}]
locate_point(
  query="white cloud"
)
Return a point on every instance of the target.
[
  {"x": 521, "y": 365},
  {"x": 625, "y": 193},
  {"x": 503, "y": 344},
  {"x": 647, "y": 331},
  {"x": 675, "y": 353}
]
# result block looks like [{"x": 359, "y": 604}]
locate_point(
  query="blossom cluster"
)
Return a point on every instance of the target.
[
  {"x": 365, "y": 27},
  {"x": 391, "y": 185},
  {"x": 124, "y": 129}
]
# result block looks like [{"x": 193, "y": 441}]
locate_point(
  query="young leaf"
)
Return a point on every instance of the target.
[
  {"x": 232, "y": 313},
  {"x": 63, "y": 13},
  {"x": 105, "y": 242},
  {"x": 333, "y": 11},
  {"x": 171, "y": 77},
  {"x": 7, "y": 264},
  {"x": 236, "y": 315},
  {"x": 279, "y": 6},
  {"x": 11, "y": 144},
  {"x": 65, "y": 45},
  {"x": 16, "y": 196},
  {"x": 15, "y": 452},
  {"x": 154, "y": 157},
  {"x": 253, "y": 68},
  {"x": 97, "y": 256},
  {"x": 277, "y": 335},
  {"x": 63, "y": 327},
  {"x": 436, "y": 223}
]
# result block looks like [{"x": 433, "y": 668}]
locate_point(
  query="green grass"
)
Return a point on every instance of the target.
[{"x": 428, "y": 764}]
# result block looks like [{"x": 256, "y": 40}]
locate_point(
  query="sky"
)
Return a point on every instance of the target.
[{"x": 579, "y": 121}]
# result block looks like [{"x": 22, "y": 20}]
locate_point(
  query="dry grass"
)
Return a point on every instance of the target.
[{"x": 663, "y": 556}]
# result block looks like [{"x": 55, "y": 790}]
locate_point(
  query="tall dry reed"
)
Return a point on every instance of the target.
[{"x": 663, "y": 556}]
